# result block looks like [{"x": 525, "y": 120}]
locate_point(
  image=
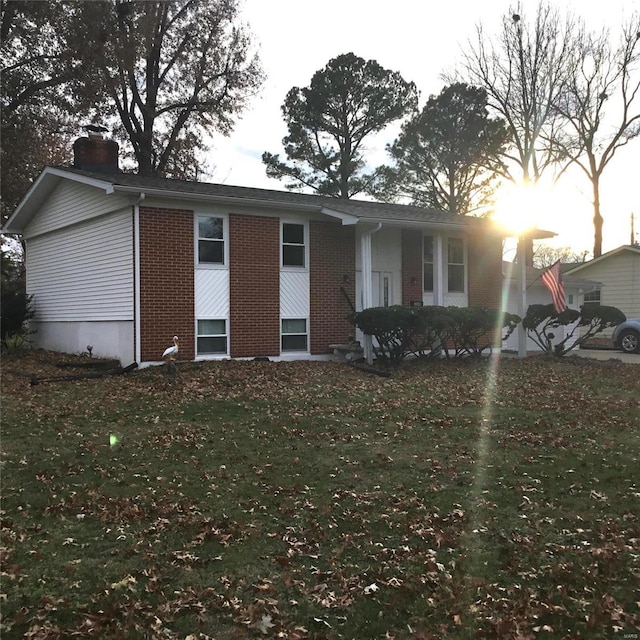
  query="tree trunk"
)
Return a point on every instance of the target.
[{"x": 598, "y": 220}]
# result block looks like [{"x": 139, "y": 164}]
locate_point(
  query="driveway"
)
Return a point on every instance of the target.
[
  {"x": 606, "y": 354},
  {"x": 594, "y": 354}
]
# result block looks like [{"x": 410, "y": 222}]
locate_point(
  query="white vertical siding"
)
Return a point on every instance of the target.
[
  {"x": 212, "y": 293},
  {"x": 294, "y": 294},
  {"x": 71, "y": 203},
  {"x": 84, "y": 272}
]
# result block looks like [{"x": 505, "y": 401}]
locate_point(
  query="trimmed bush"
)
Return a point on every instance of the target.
[
  {"x": 431, "y": 331},
  {"x": 542, "y": 320}
]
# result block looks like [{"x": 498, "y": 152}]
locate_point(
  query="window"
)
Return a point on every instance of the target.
[
  {"x": 455, "y": 265},
  {"x": 212, "y": 336},
  {"x": 294, "y": 335},
  {"x": 293, "y": 247},
  {"x": 592, "y": 298},
  {"x": 210, "y": 240},
  {"x": 427, "y": 261}
]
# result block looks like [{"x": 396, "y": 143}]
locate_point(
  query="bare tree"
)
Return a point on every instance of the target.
[
  {"x": 546, "y": 255},
  {"x": 523, "y": 70},
  {"x": 601, "y": 106},
  {"x": 175, "y": 70}
]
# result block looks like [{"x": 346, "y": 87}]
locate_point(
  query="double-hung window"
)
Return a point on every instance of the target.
[
  {"x": 211, "y": 231},
  {"x": 592, "y": 298},
  {"x": 293, "y": 245},
  {"x": 455, "y": 265},
  {"x": 294, "y": 334},
  {"x": 212, "y": 337}
]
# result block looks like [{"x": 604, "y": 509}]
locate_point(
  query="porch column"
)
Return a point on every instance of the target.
[
  {"x": 438, "y": 269},
  {"x": 367, "y": 288}
]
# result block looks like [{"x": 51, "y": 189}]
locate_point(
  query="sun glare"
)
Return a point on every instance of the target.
[
  {"x": 561, "y": 209},
  {"x": 520, "y": 208}
]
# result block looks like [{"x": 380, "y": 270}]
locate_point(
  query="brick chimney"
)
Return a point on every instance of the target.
[{"x": 95, "y": 152}]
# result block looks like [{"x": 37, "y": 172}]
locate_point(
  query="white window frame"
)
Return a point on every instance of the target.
[
  {"x": 225, "y": 335},
  {"x": 305, "y": 226},
  {"x": 464, "y": 264},
  {"x": 225, "y": 240},
  {"x": 595, "y": 295},
  {"x": 306, "y": 334}
]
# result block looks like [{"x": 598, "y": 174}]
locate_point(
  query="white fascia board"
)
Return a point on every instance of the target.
[
  {"x": 604, "y": 256},
  {"x": 107, "y": 185}
]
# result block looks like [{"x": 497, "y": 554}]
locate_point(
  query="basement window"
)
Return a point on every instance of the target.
[
  {"x": 294, "y": 334},
  {"x": 210, "y": 240},
  {"x": 212, "y": 337}
]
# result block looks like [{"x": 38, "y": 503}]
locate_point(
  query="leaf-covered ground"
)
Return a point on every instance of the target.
[{"x": 492, "y": 499}]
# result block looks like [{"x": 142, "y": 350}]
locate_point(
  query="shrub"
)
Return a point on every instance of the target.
[
  {"x": 470, "y": 330},
  {"x": 394, "y": 329},
  {"x": 542, "y": 320},
  {"x": 426, "y": 331},
  {"x": 14, "y": 302}
]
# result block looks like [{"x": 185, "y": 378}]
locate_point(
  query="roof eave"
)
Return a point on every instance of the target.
[{"x": 38, "y": 192}]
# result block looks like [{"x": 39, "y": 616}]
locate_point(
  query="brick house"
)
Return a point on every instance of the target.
[{"x": 124, "y": 262}]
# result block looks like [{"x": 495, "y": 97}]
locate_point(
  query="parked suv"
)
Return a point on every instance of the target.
[{"x": 626, "y": 336}]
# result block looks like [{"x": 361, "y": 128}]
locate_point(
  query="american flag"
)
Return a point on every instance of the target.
[{"x": 552, "y": 279}]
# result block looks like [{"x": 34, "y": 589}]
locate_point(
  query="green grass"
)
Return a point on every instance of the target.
[{"x": 310, "y": 500}]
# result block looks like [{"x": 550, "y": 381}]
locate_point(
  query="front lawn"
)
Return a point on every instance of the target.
[{"x": 250, "y": 499}]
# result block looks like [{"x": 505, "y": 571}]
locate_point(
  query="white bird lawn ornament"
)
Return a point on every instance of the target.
[{"x": 170, "y": 353}]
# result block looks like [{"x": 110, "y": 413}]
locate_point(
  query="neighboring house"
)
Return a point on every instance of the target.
[
  {"x": 123, "y": 262},
  {"x": 619, "y": 272},
  {"x": 576, "y": 289}
]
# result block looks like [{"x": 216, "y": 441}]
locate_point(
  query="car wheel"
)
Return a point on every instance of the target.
[{"x": 630, "y": 341}]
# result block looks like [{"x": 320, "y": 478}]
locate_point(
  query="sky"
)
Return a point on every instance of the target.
[{"x": 421, "y": 40}]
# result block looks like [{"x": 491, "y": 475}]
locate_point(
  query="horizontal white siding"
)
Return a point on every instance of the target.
[
  {"x": 620, "y": 278},
  {"x": 212, "y": 293},
  {"x": 294, "y": 294},
  {"x": 71, "y": 203},
  {"x": 84, "y": 272}
]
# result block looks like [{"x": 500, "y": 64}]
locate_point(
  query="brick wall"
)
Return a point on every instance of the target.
[
  {"x": 411, "y": 266},
  {"x": 332, "y": 265},
  {"x": 485, "y": 273},
  {"x": 254, "y": 272},
  {"x": 166, "y": 281}
]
